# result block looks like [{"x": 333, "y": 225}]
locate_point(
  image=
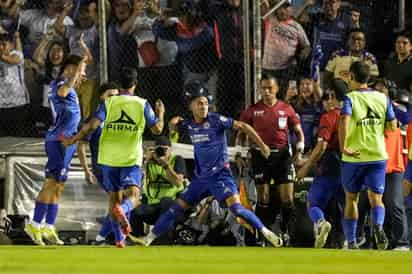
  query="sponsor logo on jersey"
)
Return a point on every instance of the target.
[
  {"x": 198, "y": 138},
  {"x": 124, "y": 123},
  {"x": 258, "y": 113},
  {"x": 371, "y": 119}
]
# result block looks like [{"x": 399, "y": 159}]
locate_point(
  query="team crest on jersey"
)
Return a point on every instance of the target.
[
  {"x": 258, "y": 113},
  {"x": 223, "y": 119},
  {"x": 206, "y": 125}
]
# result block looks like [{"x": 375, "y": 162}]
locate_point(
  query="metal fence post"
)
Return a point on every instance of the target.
[
  {"x": 103, "y": 72},
  {"x": 246, "y": 52},
  {"x": 257, "y": 40}
]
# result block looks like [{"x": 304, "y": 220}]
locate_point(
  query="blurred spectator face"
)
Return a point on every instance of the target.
[
  {"x": 5, "y": 46},
  {"x": 56, "y": 54},
  {"x": 54, "y": 7},
  {"x": 403, "y": 46},
  {"x": 306, "y": 88},
  {"x": 108, "y": 93},
  {"x": 329, "y": 101},
  {"x": 269, "y": 90},
  {"x": 234, "y": 3},
  {"x": 122, "y": 9},
  {"x": 355, "y": 16},
  {"x": 199, "y": 107},
  {"x": 357, "y": 41},
  {"x": 86, "y": 17},
  {"x": 331, "y": 7},
  {"x": 283, "y": 13}
]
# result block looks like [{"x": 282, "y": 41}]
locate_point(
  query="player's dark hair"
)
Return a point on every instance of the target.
[
  {"x": 360, "y": 72},
  {"x": 74, "y": 60},
  {"x": 128, "y": 77},
  {"x": 405, "y": 34},
  {"x": 107, "y": 86},
  {"x": 267, "y": 77}
]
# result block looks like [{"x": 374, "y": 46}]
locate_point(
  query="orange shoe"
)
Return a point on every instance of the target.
[{"x": 122, "y": 219}]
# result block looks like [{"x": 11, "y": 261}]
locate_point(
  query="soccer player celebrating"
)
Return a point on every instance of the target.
[
  {"x": 212, "y": 171},
  {"x": 120, "y": 152},
  {"x": 65, "y": 108},
  {"x": 272, "y": 119},
  {"x": 365, "y": 115},
  {"x": 326, "y": 155},
  {"x": 95, "y": 174}
]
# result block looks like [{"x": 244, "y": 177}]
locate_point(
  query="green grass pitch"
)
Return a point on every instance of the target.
[{"x": 213, "y": 260}]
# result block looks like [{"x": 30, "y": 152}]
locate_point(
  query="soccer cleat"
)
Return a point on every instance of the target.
[
  {"x": 34, "y": 233},
  {"x": 144, "y": 241},
  {"x": 352, "y": 246},
  {"x": 380, "y": 238},
  {"x": 322, "y": 231},
  {"x": 272, "y": 238},
  {"x": 402, "y": 248},
  {"x": 122, "y": 219},
  {"x": 51, "y": 237}
]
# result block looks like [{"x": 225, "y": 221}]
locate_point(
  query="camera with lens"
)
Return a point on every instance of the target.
[{"x": 160, "y": 151}]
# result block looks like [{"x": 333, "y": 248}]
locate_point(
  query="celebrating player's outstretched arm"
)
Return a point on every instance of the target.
[{"x": 252, "y": 134}]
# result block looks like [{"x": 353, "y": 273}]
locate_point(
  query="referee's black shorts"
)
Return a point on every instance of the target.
[{"x": 279, "y": 166}]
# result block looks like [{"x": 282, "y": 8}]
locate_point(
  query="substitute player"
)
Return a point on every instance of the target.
[
  {"x": 65, "y": 108},
  {"x": 212, "y": 170},
  {"x": 365, "y": 115},
  {"x": 326, "y": 156},
  {"x": 272, "y": 119},
  {"x": 95, "y": 174},
  {"x": 120, "y": 152}
]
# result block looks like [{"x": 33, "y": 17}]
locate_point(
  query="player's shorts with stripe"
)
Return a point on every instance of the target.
[
  {"x": 370, "y": 174},
  {"x": 221, "y": 185},
  {"x": 58, "y": 160},
  {"x": 119, "y": 178}
]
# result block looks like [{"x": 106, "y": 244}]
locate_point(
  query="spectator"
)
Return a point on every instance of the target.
[
  {"x": 47, "y": 63},
  {"x": 330, "y": 27},
  {"x": 122, "y": 50},
  {"x": 13, "y": 93},
  {"x": 159, "y": 75},
  {"x": 341, "y": 60},
  {"x": 39, "y": 22},
  {"x": 228, "y": 28},
  {"x": 164, "y": 179},
  {"x": 307, "y": 104},
  {"x": 84, "y": 31},
  {"x": 398, "y": 67},
  {"x": 195, "y": 43},
  {"x": 285, "y": 40},
  {"x": 8, "y": 24}
]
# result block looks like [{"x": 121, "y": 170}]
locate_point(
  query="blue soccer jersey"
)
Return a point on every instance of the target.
[
  {"x": 210, "y": 145},
  {"x": 66, "y": 112}
]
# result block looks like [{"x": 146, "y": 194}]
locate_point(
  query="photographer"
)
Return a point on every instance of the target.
[{"x": 164, "y": 178}]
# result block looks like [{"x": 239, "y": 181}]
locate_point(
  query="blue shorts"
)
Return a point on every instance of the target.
[
  {"x": 408, "y": 172},
  {"x": 119, "y": 178},
  {"x": 58, "y": 160},
  {"x": 323, "y": 189},
  {"x": 220, "y": 185},
  {"x": 370, "y": 175}
]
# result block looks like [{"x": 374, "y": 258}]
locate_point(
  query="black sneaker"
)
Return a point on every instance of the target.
[
  {"x": 351, "y": 245},
  {"x": 380, "y": 238}
]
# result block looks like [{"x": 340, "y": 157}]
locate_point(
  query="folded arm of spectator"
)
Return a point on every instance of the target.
[
  {"x": 59, "y": 26},
  {"x": 12, "y": 59},
  {"x": 129, "y": 26}
]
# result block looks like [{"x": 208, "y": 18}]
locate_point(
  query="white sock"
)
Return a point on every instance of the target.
[
  {"x": 100, "y": 238},
  {"x": 36, "y": 224},
  {"x": 49, "y": 226}
]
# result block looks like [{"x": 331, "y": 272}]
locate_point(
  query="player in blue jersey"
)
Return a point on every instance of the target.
[
  {"x": 212, "y": 170},
  {"x": 326, "y": 156},
  {"x": 65, "y": 108}
]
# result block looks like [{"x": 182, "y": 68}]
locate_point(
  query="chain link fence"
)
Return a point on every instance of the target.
[{"x": 169, "y": 43}]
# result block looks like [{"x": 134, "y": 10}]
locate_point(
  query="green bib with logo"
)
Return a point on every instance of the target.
[
  {"x": 366, "y": 126},
  {"x": 156, "y": 185},
  {"x": 120, "y": 144}
]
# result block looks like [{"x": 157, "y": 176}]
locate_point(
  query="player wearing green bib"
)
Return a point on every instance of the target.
[
  {"x": 364, "y": 116},
  {"x": 120, "y": 147}
]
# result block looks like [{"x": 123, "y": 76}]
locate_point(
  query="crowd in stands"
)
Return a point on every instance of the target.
[{"x": 308, "y": 48}]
